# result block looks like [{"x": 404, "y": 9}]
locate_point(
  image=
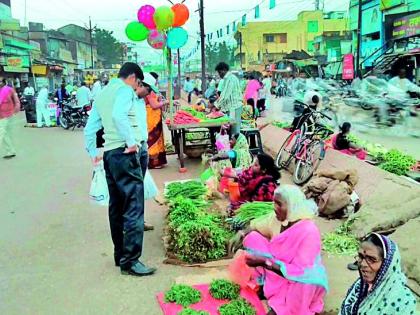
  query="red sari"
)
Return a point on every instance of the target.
[{"x": 254, "y": 187}]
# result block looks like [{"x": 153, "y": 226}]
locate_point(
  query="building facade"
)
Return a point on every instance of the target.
[{"x": 268, "y": 42}]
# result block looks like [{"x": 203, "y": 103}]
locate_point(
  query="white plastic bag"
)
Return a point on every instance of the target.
[
  {"x": 150, "y": 188},
  {"x": 99, "y": 193}
]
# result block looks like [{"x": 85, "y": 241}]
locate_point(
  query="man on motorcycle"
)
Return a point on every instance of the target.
[
  {"x": 61, "y": 94},
  {"x": 83, "y": 96}
]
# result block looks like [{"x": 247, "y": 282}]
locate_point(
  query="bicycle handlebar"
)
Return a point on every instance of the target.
[{"x": 314, "y": 111}]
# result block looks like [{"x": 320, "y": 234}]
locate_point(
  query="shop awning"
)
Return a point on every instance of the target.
[{"x": 15, "y": 69}]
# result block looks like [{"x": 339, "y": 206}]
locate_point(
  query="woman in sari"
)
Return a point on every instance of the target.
[
  {"x": 256, "y": 183},
  {"x": 283, "y": 253},
  {"x": 381, "y": 288},
  {"x": 341, "y": 143},
  {"x": 156, "y": 142},
  {"x": 238, "y": 156}
]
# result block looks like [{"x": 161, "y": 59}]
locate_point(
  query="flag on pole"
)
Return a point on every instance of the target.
[
  {"x": 228, "y": 29},
  {"x": 221, "y": 32},
  {"x": 234, "y": 27},
  {"x": 244, "y": 20},
  {"x": 257, "y": 12},
  {"x": 272, "y": 4}
]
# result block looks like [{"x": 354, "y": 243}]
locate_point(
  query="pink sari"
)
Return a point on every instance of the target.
[
  {"x": 359, "y": 153},
  {"x": 297, "y": 251}
]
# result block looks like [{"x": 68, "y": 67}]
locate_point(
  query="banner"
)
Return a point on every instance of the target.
[
  {"x": 257, "y": 12},
  {"x": 348, "y": 67},
  {"x": 388, "y": 4},
  {"x": 406, "y": 26},
  {"x": 272, "y": 4}
]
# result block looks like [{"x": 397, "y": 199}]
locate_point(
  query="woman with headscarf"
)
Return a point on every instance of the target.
[
  {"x": 381, "y": 288},
  {"x": 283, "y": 253}
]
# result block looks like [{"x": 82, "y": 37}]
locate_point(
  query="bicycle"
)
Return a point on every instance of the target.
[{"x": 306, "y": 148}]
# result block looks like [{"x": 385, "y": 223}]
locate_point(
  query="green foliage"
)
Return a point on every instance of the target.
[
  {"x": 341, "y": 241},
  {"x": 201, "y": 240},
  {"x": 224, "y": 290},
  {"x": 282, "y": 125},
  {"x": 395, "y": 161},
  {"x": 184, "y": 210},
  {"x": 183, "y": 295},
  {"x": 108, "y": 46},
  {"x": 189, "y": 311},
  {"x": 217, "y": 52},
  {"x": 253, "y": 210},
  {"x": 190, "y": 189},
  {"x": 237, "y": 307}
]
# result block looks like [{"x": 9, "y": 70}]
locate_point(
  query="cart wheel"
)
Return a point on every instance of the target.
[{"x": 183, "y": 170}]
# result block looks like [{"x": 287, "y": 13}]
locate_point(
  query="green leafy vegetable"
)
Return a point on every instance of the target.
[
  {"x": 237, "y": 307},
  {"x": 253, "y": 210},
  {"x": 224, "y": 290},
  {"x": 190, "y": 189},
  {"x": 189, "y": 311},
  {"x": 341, "y": 241},
  {"x": 282, "y": 125},
  {"x": 183, "y": 295},
  {"x": 397, "y": 162}
]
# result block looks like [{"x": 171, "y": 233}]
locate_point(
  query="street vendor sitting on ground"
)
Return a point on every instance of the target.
[
  {"x": 382, "y": 286},
  {"x": 256, "y": 183},
  {"x": 341, "y": 143},
  {"x": 283, "y": 255}
]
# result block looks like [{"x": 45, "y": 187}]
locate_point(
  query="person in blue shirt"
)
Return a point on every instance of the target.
[{"x": 118, "y": 110}]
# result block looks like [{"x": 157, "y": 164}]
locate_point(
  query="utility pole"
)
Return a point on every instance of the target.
[
  {"x": 203, "y": 47},
  {"x": 25, "y": 15},
  {"x": 178, "y": 86},
  {"x": 91, "y": 42},
  {"x": 359, "y": 40}
]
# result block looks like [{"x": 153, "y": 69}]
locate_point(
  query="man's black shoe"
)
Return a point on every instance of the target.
[
  {"x": 139, "y": 270},
  {"x": 117, "y": 262}
]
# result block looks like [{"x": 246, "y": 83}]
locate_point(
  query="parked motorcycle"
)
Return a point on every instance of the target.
[{"x": 73, "y": 117}]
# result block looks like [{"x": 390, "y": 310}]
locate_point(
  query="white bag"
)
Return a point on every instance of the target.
[
  {"x": 150, "y": 188},
  {"x": 99, "y": 193}
]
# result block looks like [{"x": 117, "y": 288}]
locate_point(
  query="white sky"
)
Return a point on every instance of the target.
[{"x": 115, "y": 14}]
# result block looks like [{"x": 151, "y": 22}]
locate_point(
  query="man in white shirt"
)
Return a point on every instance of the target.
[
  {"x": 42, "y": 111},
  {"x": 189, "y": 88},
  {"x": 29, "y": 94},
  {"x": 83, "y": 95},
  {"x": 96, "y": 88}
]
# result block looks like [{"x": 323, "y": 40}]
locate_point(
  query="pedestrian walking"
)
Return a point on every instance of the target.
[
  {"x": 42, "y": 111},
  {"x": 125, "y": 162},
  {"x": 230, "y": 100},
  {"x": 9, "y": 106},
  {"x": 28, "y": 95},
  {"x": 96, "y": 88},
  {"x": 189, "y": 88}
]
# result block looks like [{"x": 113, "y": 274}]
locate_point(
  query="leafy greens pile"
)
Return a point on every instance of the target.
[
  {"x": 183, "y": 295},
  {"x": 395, "y": 161},
  {"x": 237, "y": 307},
  {"x": 195, "y": 236},
  {"x": 341, "y": 241},
  {"x": 224, "y": 290}
]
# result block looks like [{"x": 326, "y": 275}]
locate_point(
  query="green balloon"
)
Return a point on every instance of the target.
[
  {"x": 136, "y": 31},
  {"x": 164, "y": 18}
]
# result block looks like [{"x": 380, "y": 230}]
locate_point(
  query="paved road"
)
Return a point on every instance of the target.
[{"x": 57, "y": 255}]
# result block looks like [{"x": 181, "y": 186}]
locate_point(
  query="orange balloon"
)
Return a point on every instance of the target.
[{"x": 182, "y": 14}]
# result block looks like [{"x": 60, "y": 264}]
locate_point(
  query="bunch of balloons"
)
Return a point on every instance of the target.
[{"x": 161, "y": 26}]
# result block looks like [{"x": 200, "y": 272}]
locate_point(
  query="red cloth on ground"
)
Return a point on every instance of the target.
[{"x": 208, "y": 303}]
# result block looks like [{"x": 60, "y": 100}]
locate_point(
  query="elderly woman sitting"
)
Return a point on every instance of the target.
[
  {"x": 381, "y": 288},
  {"x": 284, "y": 252}
]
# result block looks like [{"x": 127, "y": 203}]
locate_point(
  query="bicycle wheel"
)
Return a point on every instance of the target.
[
  {"x": 285, "y": 153},
  {"x": 308, "y": 164}
]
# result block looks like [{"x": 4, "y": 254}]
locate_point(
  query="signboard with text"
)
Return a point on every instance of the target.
[
  {"x": 406, "y": 26},
  {"x": 348, "y": 67},
  {"x": 388, "y": 4}
]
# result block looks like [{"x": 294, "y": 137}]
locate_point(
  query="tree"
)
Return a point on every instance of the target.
[
  {"x": 218, "y": 52},
  {"x": 108, "y": 46}
]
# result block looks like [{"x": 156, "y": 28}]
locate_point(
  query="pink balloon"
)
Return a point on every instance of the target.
[
  {"x": 145, "y": 16},
  {"x": 156, "y": 39}
]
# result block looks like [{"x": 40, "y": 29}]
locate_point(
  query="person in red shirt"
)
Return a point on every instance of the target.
[{"x": 9, "y": 106}]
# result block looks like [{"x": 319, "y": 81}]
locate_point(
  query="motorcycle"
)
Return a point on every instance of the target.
[{"x": 73, "y": 117}]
